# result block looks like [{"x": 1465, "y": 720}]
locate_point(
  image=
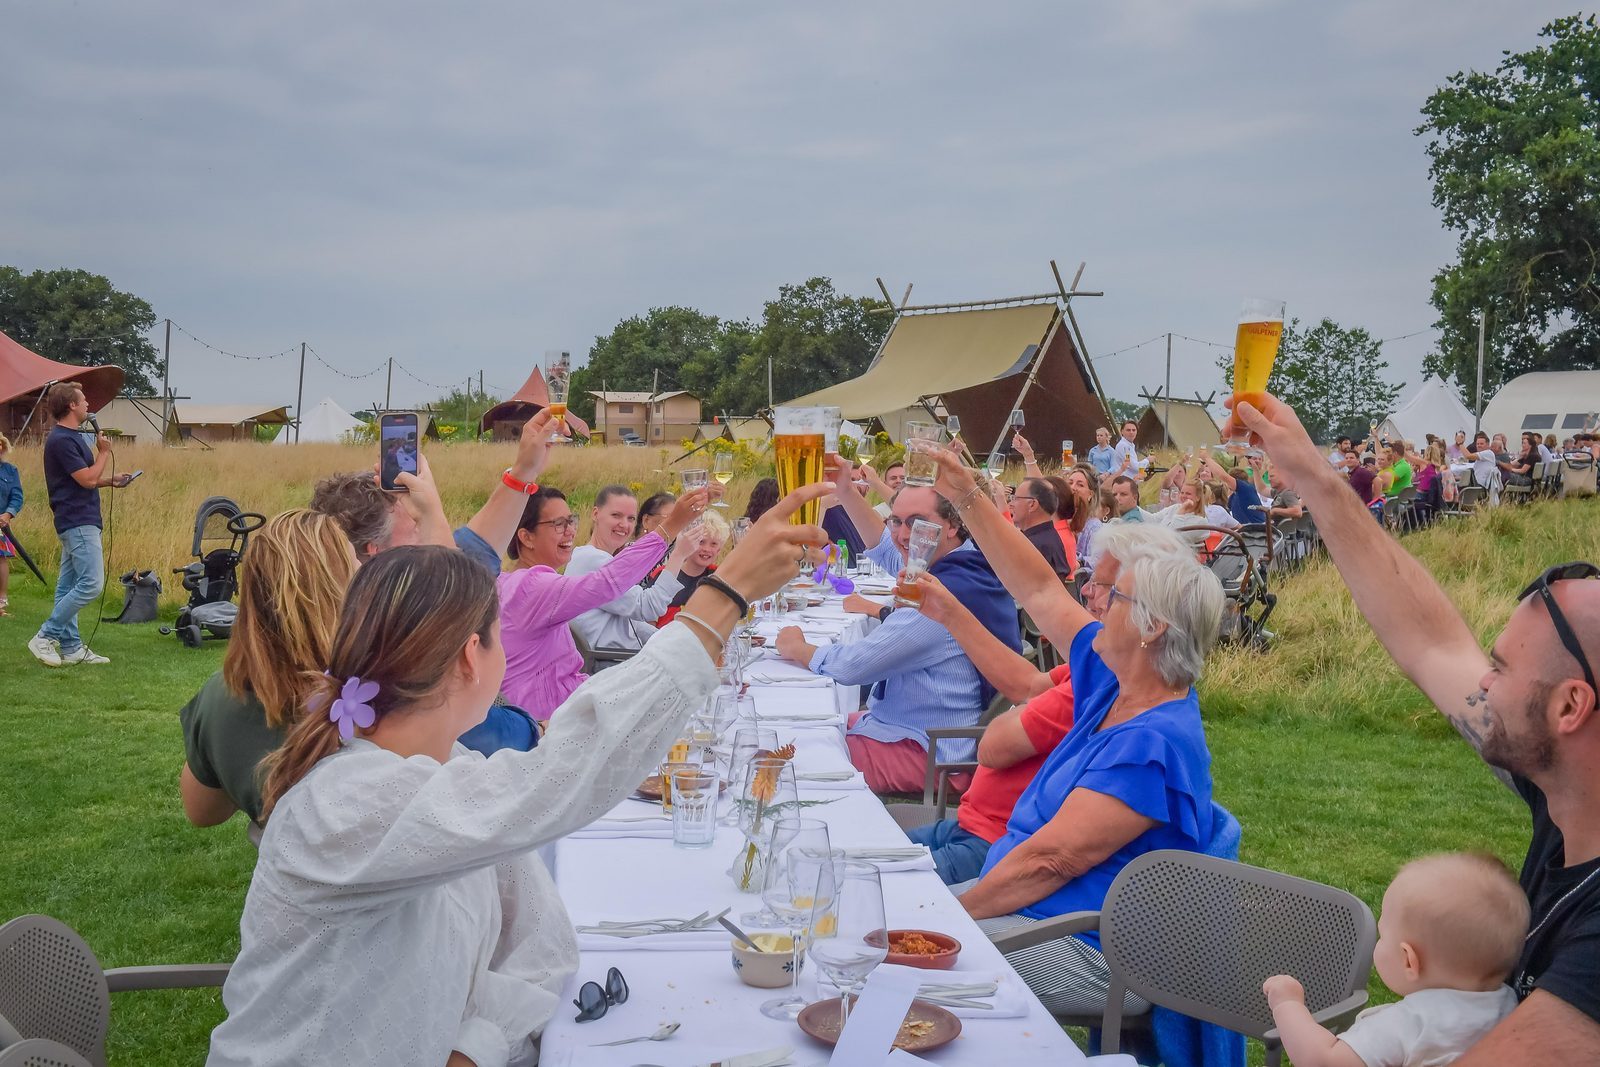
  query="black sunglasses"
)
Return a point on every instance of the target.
[
  {"x": 594, "y": 1000},
  {"x": 1569, "y": 640}
]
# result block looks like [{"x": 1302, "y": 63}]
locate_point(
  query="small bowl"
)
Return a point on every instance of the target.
[
  {"x": 764, "y": 970},
  {"x": 940, "y": 961}
]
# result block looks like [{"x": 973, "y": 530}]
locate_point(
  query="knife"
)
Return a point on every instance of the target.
[{"x": 770, "y": 1058}]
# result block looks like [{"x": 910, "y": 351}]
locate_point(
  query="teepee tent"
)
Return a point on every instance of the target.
[
  {"x": 325, "y": 422},
  {"x": 1434, "y": 408}
]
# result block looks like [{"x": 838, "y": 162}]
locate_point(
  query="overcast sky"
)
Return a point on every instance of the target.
[{"x": 463, "y": 186}]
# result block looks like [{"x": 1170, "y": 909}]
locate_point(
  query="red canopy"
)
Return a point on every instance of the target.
[
  {"x": 525, "y": 404},
  {"x": 24, "y": 375}
]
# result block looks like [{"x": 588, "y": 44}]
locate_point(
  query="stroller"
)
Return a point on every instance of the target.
[
  {"x": 213, "y": 579},
  {"x": 1240, "y": 558}
]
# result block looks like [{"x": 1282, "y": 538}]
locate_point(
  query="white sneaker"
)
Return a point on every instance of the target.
[
  {"x": 85, "y": 654},
  {"x": 45, "y": 650}
]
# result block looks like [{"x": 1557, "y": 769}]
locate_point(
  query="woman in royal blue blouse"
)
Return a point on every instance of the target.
[{"x": 1134, "y": 773}]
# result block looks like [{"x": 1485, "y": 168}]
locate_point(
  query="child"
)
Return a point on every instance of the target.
[
  {"x": 10, "y": 505},
  {"x": 1451, "y": 929}
]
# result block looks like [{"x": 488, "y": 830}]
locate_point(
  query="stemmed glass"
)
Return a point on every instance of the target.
[
  {"x": 996, "y": 464},
  {"x": 722, "y": 471},
  {"x": 557, "y": 379},
  {"x": 799, "y": 880},
  {"x": 856, "y": 940},
  {"x": 769, "y": 793},
  {"x": 713, "y": 720},
  {"x": 747, "y": 741},
  {"x": 695, "y": 478}
]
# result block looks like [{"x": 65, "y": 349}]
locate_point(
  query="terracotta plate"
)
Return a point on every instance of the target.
[
  {"x": 940, "y": 961},
  {"x": 927, "y": 1026}
]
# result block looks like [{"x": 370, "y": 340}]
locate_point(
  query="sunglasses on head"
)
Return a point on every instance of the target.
[
  {"x": 1569, "y": 639},
  {"x": 594, "y": 1000}
]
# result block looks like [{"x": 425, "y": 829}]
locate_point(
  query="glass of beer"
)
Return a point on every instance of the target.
[
  {"x": 722, "y": 471},
  {"x": 1255, "y": 348},
  {"x": 1068, "y": 457},
  {"x": 919, "y": 557},
  {"x": 556, "y": 382},
  {"x": 799, "y": 442},
  {"x": 922, "y": 440}
]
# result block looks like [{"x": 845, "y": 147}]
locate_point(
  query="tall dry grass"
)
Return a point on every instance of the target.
[{"x": 151, "y": 523}]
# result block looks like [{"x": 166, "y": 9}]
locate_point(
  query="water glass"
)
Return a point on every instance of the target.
[
  {"x": 696, "y": 478},
  {"x": 694, "y": 809},
  {"x": 831, "y": 418},
  {"x": 747, "y": 741},
  {"x": 849, "y": 936},
  {"x": 922, "y": 440},
  {"x": 799, "y": 879}
]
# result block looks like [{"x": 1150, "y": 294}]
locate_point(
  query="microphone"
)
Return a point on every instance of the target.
[{"x": 90, "y": 421}]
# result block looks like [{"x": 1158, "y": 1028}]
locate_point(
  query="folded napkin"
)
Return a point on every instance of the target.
[
  {"x": 602, "y": 831},
  {"x": 1008, "y": 1001},
  {"x": 797, "y": 703},
  {"x": 829, "y": 781},
  {"x": 780, "y": 672},
  {"x": 892, "y": 858}
]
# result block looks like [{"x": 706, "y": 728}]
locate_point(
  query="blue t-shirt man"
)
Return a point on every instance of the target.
[
  {"x": 67, "y": 451},
  {"x": 1156, "y": 763},
  {"x": 1244, "y": 498}
]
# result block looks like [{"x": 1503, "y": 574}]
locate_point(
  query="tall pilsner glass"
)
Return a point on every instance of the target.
[
  {"x": 798, "y": 444},
  {"x": 1255, "y": 348}
]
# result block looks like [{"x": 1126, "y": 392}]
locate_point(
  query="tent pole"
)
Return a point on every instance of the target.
[
  {"x": 1477, "y": 412},
  {"x": 1033, "y": 376},
  {"x": 166, "y": 383},
  {"x": 300, "y": 395},
  {"x": 1166, "y": 420},
  {"x": 1077, "y": 334}
]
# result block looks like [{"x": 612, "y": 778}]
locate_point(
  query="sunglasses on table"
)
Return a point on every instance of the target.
[
  {"x": 1564, "y": 572},
  {"x": 594, "y": 1000}
]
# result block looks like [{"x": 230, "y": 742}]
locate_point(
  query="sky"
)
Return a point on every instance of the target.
[{"x": 465, "y": 187}]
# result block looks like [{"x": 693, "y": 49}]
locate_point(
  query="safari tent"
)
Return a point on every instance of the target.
[
  {"x": 24, "y": 376},
  {"x": 323, "y": 423},
  {"x": 1433, "y": 408},
  {"x": 1187, "y": 423},
  {"x": 1557, "y": 402},
  {"x": 506, "y": 418}
]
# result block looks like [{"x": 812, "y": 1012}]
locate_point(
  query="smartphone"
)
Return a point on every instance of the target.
[
  {"x": 134, "y": 475},
  {"x": 397, "y": 449}
]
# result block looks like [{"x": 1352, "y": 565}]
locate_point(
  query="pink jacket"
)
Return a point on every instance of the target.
[{"x": 543, "y": 666}]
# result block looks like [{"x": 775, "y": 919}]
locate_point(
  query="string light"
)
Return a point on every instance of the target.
[
  {"x": 231, "y": 355},
  {"x": 344, "y": 374}
]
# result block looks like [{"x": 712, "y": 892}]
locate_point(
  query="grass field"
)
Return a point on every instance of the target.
[{"x": 1335, "y": 765}]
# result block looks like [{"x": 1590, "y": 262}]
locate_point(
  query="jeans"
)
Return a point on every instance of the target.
[
  {"x": 957, "y": 854},
  {"x": 82, "y": 577}
]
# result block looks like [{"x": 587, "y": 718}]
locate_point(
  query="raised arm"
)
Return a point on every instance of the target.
[
  {"x": 875, "y": 483},
  {"x": 1017, "y": 680},
  {"x": 1414, "y": 620},
  {"x": 496, "y": 522},
  {"x": 1030, "y": 462},
  {"x": 1020, "y": 566},
  {"x": 856, "y": 509}
]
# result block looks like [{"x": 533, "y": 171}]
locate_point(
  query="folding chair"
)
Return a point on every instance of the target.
[
  {"x": 53, "y": 987},
  {"x": 936, "y": 780},
  {"x": 1513, "y": 491},
  {"x": 37, "y": 1052},
  {"x": 1200, "y": 935},
  {"x": 598, "y": 659}
]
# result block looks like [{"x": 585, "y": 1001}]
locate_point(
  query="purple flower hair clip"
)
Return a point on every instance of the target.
[{"x": 351, "y": 709}]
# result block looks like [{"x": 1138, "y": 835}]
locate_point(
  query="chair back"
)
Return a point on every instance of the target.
[
  {"x": 53, "y": 987},
  {"x": 37, "y": 1052},
  {"x": 1200, "y": 935},
  {"x": 1472, "y": 496}
]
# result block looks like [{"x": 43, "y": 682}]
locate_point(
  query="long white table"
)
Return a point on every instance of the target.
[{"x": 636, "y": 877}]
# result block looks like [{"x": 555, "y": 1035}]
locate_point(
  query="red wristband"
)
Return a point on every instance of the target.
[{"x": 526, "y": 488}]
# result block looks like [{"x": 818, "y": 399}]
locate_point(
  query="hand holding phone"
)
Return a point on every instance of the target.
[{"x": 397, "y": 449}]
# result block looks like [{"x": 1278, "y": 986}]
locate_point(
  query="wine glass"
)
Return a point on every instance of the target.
[
  {"x": 712, "y": 721},
  {"x": 768, "y": 795},
  {"x": 799, "y": 879},
  {"x": 747, "y": 741},
  {"x": 996, "y": 464},
  {"x": 722, "y": 471},
  {"x": 851, "y": 938}
]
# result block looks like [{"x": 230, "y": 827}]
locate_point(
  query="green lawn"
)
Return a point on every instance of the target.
[{"x": 1338, "y": 772}]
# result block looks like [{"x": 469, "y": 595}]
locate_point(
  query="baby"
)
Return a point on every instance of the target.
[{"x": 1450, "y": 932}]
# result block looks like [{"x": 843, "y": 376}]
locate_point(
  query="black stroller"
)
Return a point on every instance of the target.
[{"x": 213, "y": 578}]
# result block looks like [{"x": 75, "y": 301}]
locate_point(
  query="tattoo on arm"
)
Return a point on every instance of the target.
[{"x": 1474, "y": 725}]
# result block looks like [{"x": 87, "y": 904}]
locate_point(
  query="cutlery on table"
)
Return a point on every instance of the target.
[
  {"x": 645, "y": 927},
  {"x": 666, "y": 1031},
  {"x": 740, "y": 934}
]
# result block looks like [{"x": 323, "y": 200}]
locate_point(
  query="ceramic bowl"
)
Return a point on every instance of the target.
[
  {"x": 941, "y": 961},
  {"x": 764, "y": 970}
]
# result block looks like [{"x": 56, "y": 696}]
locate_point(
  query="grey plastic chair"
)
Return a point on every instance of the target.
[
  {"x": 53, "y": 987},
  {"x": 37, "y": 1052},
  {"x": 1200, "y": 935},
  {"x": 598, "y": 659}
]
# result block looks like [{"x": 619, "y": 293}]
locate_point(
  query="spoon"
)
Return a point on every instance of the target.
[
  {"x": 666, "y": 1031},
  {"x": 740, "y": 934}
]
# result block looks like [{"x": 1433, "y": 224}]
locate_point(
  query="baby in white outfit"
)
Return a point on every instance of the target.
[{"x": 1450, "y": 932}]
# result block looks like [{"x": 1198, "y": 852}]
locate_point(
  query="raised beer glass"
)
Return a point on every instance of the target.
[
  {"x": 556, "y": 382},
  {"x": 922, "y": 439},
  {"x": 798, "y": 440},
  {"x": 1255, "y": 348},
  {"x": 1068, "y": 457},
  {"x": 919, "y": 557}
]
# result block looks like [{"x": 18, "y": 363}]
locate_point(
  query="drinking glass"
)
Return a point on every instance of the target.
[
  {"x": 952, "y": 424},
  {"x": 711, "y": 723},
  {"x": 922, "y": 440},
  {"x": 1255, "y": 348},
  {"x": 798, "y": 880},
  {"x": 1017, "y": 420},
  {"x": 851, "y": 938},
  {"x": 747, "y": 741},
  {"x": 919, "y": 557},
  {"x": 557, "y": 379},
  {"x": 767, "y": 795},
  {"x": 740, "y": 528},
  {"x": 695, "y": 478},
  {"x": 831, "y": 418},
  {"x": 722, "y": 471},
  {"x": 1067, "y": 456},
  {"x": 694, "y": 808},
  {"x": 996, "y": 464},
  {"x": 669, "y": 771},
  {"x": 799, "y": 441}
]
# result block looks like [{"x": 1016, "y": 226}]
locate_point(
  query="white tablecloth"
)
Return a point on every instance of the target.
[{"x": 689, "y": 978}]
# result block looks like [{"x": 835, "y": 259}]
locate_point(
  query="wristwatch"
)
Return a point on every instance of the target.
[{"x": 883, "y": 612}]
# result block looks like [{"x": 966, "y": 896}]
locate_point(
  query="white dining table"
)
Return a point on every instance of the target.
[{"x": 626, "y": 868}]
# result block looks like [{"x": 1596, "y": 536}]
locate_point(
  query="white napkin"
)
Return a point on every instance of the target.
[
  {"x": 1010, "y": 1000},
  {"x": 795, "y": 702},
  {"x": 857, "y": 780},
  {"x": 692, "y": 941},
  {"x": 610, "y": 831},
  {"x": 779, "y": 672},
  {"x": 923, "y": 862}
]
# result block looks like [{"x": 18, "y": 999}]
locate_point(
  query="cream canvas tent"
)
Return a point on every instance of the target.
[
  {"x": 325, "y": 422},
  {"x": 1188, "y": 424},
  {"x": 1555, "y": 402},
  {"x": 1433, "y": 408}
]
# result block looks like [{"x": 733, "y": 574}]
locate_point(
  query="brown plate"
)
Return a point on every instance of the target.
[
  {"x": 650, "y": 788},
  {"x": 934, "y": 1027},
  {"x": 939, "y": 961}
]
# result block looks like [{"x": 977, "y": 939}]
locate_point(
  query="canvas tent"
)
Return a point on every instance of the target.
[
  {"x": 325, "y": 422},
  {"x": 210, "y": 424},
  {"x": 1188, "y": 422},
  {"x": 1555, "y": 402},
  {"x": 1433, "y": 408},
  {"x": 507, "y": 417},
  {"x": 975, "y": 361},
  {"x": 24, "y": 374}
]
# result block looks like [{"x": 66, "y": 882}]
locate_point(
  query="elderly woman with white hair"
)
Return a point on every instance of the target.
[{"x": 1134, "y": 773}]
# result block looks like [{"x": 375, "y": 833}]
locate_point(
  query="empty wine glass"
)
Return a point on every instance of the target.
[
  {"x": 798, "y": 879},
  {"x": 711, "y": 722},
  {"x": 768, "y": 794},
  {"x": 851, "y": 938}
]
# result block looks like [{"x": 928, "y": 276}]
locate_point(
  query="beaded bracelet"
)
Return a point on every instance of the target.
[{"x": 715, "y": 633}]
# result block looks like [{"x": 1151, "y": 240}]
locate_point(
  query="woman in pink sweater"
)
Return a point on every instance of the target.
[{"x": 537, "y": 602}]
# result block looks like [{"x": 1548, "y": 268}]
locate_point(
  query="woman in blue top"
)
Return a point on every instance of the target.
[
  {"x": 10, "y": 504},
  {"x": 1134, "y": 773}
]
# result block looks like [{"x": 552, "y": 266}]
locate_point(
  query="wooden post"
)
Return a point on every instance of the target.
[
  {"x": 1166, "y": 418},
  {"x": 166, "y": 386},
  {"x": 300, "y": 395},
  {"x": 388, "y": 385}
]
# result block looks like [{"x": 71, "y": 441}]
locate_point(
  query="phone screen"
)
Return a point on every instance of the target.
[{"x": 397, "y": 449}]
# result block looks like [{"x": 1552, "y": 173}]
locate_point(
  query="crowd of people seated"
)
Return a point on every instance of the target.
[{"x": 380, "y": 657}]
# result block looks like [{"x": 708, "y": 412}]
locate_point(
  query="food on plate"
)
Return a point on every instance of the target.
[{"x": 913, "y": 943}]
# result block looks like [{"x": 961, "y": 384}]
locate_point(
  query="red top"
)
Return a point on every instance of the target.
[
  {"x": 1069, "y": 541},
  {"x": 986, "y": 805}
]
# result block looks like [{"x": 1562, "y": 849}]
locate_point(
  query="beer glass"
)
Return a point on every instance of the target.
[
  {"x": 919, "y": 557},
  {"x": 1068, "y": 458},
  {"x": 831, "y": 418},
  {"x": 799, "y": 443},
  {"x": 556, "y": 381},
  {"x": 922, "y": 439},
  {"x": 1255, "y": 348}
]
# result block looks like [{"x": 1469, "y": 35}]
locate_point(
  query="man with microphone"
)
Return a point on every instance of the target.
[{"x": 74, "y": 474}]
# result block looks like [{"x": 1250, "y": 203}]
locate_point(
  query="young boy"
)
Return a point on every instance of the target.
[{"x": 1450, "y": 932}]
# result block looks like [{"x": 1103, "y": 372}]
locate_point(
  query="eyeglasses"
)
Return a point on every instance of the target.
[
  {"x": 1113, "y": 594},
  {"x": 895, "y": 522},
  {"x": 1019, "y": 496},
  {"x": 568, "y": 523},
  {"x": 1569, "y": 640},
  {"x": 595, "y": 1000}
]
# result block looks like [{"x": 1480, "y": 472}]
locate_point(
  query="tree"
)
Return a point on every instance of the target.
[
  {"x": 72, "y": 316},
  {"x": 1516, "y": 172},
  {"x": 1331, "y": 376},
  {"x": 1122, "y": 411},
  {"x": 681, "y": 343},
  {"x": 462, "y": 409},
  {"x": 814, "y": 338}
]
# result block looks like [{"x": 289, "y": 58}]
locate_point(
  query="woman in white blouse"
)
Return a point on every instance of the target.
[{"x": 398, "y": 913}]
